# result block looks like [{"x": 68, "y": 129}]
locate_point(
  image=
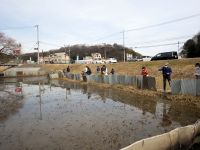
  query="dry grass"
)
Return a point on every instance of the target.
[
  {"x": 2, "y": 68},
  {"x": 182, "y": 68}
]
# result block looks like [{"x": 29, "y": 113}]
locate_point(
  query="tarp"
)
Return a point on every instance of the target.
[
  {"x": 176, "y": 86},
  {"x": 188, "y": 86},
  {"x": 179, "y": 137},
  {"x": 198, "y": 87},
  {"x": 138, "y": 81}
]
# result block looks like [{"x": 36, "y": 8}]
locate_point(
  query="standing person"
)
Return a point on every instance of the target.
[
  {"x": 98, "y": 69},
  {"x": 87, "y": 71},
  {"x": 104, "y": 70},
  {"x": 166, "y": 71},
  {"x": 68, "y": 69},
  {"x": 64, "y": 71},
  {"x": 112, "y": 71},
  {"x": 144, "y": 72},
  {"x": 197, "y": 71}
]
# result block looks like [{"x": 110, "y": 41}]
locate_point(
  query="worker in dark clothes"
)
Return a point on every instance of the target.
[{"x": 166, "y": 71}]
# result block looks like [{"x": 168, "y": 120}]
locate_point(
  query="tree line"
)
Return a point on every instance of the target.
[
  {"x": 81, "y": 50},
  {"x": 191, "y": 47}
]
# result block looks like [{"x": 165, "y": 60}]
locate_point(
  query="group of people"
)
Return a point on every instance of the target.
[
  {"x": 166, "y": 72},
  {"x": 99, "y": 70},
  {"x": 104, "y": 71}
]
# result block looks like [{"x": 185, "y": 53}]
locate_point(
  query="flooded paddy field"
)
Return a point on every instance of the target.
[{"x": 60, "y": 115}]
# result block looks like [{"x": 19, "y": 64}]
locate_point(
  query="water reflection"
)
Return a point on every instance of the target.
[
  {"x": 41, "y": 91},
  {"x": 11, "y": 98},
  {"x": 162, "y": 109},
  {"x": 68, "y": 115}
]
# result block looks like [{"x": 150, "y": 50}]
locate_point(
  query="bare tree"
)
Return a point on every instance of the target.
[{"x": 8, "y": 45}]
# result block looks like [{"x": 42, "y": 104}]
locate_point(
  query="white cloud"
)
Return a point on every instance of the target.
[{"x": 83, "y": 21}]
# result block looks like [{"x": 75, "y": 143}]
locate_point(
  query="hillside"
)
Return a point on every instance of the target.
[{"x": 106, "y": 51}]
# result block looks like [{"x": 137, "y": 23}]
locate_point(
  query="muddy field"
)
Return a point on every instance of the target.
[{"x": 63, "y": 115}]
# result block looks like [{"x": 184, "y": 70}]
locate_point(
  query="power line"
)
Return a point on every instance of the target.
[
  {"x": 28, "y": 47},
  {"x": 23, "y": 42},
  {"x": 105, "y": 37},
  {"x": 164, "y": 40},
  {"x": 148, "y": 26},
  {"x": 46, "y": 43},
  {"x": 159, "y": 45},
  {"x": 163, "y": 23}
]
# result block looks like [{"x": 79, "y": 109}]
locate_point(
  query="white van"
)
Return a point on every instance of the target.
[
  {"x": 97, "y": 61},
  {"x": 111, "y": 60},
  {"x": 146, "y": 58}
]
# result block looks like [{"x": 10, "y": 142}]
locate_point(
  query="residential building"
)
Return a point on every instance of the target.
[
  {"x": 96, "y": 56},
  {"x": 56, "y": 58}
]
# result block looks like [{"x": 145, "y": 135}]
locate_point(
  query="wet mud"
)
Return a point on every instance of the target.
[{"x": 63, "y": 115}]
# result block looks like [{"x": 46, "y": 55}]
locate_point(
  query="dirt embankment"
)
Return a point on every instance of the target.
[{"x": 182, "y": 68}]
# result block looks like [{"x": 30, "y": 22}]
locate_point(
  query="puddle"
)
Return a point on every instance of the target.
[{"x": 61, "y": 115}]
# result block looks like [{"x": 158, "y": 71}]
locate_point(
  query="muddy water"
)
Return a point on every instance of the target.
[{"x": 61, "y": 115}]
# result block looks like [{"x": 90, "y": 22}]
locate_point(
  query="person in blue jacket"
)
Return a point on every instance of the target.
[{"x": 166, "y": 71}]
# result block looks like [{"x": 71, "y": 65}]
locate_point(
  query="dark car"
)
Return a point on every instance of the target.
[{"x": 165, "y": 56}]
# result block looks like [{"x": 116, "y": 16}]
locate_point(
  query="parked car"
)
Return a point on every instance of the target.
[
  {"x": 137, "y": 58},
  {"x": 165, "y": 56},
  {"x": 146, "y": 58},
  {"x": 111, "y": 60},
  {"x": 97, "y": 61}
]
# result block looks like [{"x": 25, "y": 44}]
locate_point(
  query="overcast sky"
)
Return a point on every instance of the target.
[{"x": 68, "y": 22}]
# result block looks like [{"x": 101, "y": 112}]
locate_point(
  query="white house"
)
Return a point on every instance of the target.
[
  {"x": 56, "y": 58},
  {"x": 96, "y": 56}
]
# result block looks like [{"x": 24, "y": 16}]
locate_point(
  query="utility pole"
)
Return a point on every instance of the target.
[
  {"x": 38, "y": 43},
  {"x": 124, "y": 46},
  {"x": 43, "y": 57},
  {"x": 105, "y": 53},
  {"x": 69, "y": 55},
  {"x": 65, "y": 54},
  {"x": 178, "y": 45}
]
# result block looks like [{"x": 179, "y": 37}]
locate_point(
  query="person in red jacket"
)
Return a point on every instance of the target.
[{"x": 144, "y": 72}]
